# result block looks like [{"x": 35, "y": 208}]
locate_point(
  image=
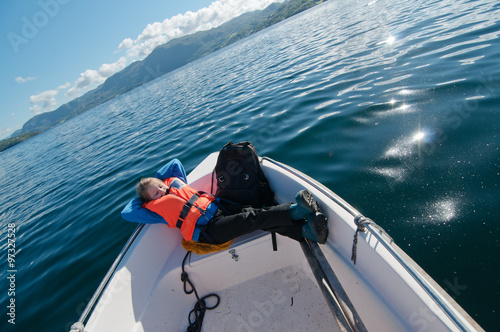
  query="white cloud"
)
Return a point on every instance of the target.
[
  {"x": 89, "y": 79},
  {"x": 107, "y": 70},
  {"x": 21, "y": 80},
  {"x": 126, "y": 43},
  {"x": 154, "y": 34},
  {"x": 158, "y": 33},
  {"x": 92, "y": 78},
  {"x": 64, "y": 86},
  {"x": 44, "y": 101}
]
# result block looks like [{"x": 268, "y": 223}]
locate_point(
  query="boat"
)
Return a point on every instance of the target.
[{"x": 360, "y": 280}]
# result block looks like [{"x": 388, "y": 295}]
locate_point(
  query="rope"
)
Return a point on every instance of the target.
[
  {"x": 200, "y": 306},
  {"x": 360, "y": 221}
]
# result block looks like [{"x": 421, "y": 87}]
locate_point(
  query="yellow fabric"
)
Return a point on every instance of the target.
[{"x": 204, "y": 248}]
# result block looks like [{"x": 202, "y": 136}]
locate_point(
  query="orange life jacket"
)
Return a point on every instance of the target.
[{"x": 181, "y": 206}]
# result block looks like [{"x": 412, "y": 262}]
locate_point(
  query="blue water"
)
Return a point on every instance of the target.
[{"x": 394, "y": 106}]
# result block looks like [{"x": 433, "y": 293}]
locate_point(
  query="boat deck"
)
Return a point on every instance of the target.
[
  {"x": 287, "y": 299},
  {"x": 260, "y": 290}
]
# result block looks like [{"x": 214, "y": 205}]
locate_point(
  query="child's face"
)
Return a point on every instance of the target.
[{"x": 156, "y": 189}]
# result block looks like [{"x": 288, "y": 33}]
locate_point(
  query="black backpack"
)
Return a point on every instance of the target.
[{"x": 240, "y": 178}]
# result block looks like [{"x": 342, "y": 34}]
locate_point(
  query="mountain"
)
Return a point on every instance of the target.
[{"x": 168, "y": 57}]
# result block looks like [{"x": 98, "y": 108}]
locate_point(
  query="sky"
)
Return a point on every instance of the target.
[{"x": 56, "y": 50}]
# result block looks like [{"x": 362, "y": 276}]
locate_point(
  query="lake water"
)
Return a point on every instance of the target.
[{"x": 392, "y": 105}]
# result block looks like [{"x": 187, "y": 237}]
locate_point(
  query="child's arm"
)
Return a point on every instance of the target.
[
  {"x": 134, "y": 212},
  {"x": 173, "y": 168}
]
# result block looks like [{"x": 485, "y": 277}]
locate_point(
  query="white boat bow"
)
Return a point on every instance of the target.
[{"x": 299, "y": 287}]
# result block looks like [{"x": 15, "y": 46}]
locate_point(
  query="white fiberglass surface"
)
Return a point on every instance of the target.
[{"x": 260, "y": 290}]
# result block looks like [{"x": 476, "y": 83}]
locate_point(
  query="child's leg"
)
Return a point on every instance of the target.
[{"x": 225, "y": 228}]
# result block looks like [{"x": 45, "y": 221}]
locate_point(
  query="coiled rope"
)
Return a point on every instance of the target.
[
  {"x": 196, "y": 315},
  {"x": 361, "y": 222}
]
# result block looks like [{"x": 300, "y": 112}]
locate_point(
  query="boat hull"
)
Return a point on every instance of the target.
[{"x": 262, "y": 289}]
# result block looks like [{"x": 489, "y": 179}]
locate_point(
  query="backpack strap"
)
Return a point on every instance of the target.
[{"x": 275, "y": 244}]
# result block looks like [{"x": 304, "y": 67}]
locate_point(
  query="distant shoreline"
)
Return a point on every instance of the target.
[
  {"x": 10, "y": 142},
  {"x": 183, "y": 50}
]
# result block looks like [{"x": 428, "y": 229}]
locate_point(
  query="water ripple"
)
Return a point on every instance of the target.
[{"x": 391, "y": 104}]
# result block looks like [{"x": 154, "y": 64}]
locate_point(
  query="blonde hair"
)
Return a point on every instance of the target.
[{"x": 141, "y": 187}]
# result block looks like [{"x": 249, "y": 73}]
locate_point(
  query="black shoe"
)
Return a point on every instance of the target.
[
  {"x": 306, "y": 200},
  {"x": 316, "y": 228}
]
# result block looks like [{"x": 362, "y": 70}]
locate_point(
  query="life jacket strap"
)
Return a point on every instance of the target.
[{"x": 185, "y": 210}]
